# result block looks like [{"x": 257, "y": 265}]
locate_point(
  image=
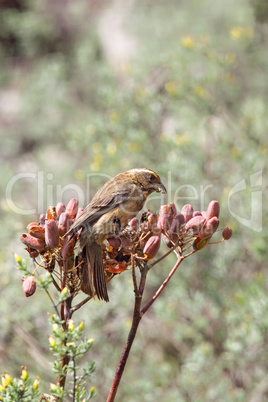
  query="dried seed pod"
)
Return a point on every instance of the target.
[
  {"x": 114, "y": 242},
  {"x": 51, "y": 233},
  {"x": 51, "y": 213},
  {"x": 153, "y": 223},
  {"x": 213, "y": 209},
  {"x": 32, "y": 242},
  {"x": 134, "y": 224},
  {"x": 167, "y": 241},
  {"x": 42, "y": 219},
  {"x": 199, "y": 243},
  {"x": 126, "y": 243},
  {"x": 227, "y": 233},
  {"x": 151, "y": 247},
  {"x": 197, "y": 213},
  {"x": 116, "y": 269},
  {"x": 187, "y": 211},
  {"x": 60, "y": 208},
  {"x": 176, "y": 227},
  {"x": 31, "y": 224},
  {"x": 166, "y": 215},
  {"x": 32, "y": 252},
  {"x": 209, "y": 228},
  {"x": 29, "y": 286},
  {"x": 37, "y": 231},
  {"x": 68, "y": 247},
  {"x": 72, "y": 208},
  {"x": 196, "y": 223},
  {"x": 64, "y": 223}
]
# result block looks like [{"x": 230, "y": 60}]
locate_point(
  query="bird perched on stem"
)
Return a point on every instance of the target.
[{"x": 112, "y": 207}]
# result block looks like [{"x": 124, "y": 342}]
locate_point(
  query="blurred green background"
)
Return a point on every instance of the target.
[{"x": 92, "y": 88}]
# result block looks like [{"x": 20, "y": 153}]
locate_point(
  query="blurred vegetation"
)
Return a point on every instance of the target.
[{"x": 98, "y": 87}]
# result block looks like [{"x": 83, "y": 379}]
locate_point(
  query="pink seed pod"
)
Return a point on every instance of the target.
[
  {"x": 213, "y": 209},
  {"x": 32, "y": 242},
  {"x": 114, "y": 242},
  {"x": 37, "y": 231},
  {"x": 176, "y": 227},
  {"x": 29, "y": 286},
  {"x": 209, "y": 228},
  {"x": 187, "y": 211},
  {"x": 197, "y": 213},
  {"x": 72, "y": 208},
  {"x": 60, "y": 208},
  {"x": 64, "y": 223},
  {"x": 68, "y": 247},
  {"x": 196, "y": 223},
  {"x": 51, "y": 233},
  {"x": 126, "y": 243},
  {"x": 31, "y": 224},
  {"x": 167, "y": 241},
  {"x": 134, "y": 224},
  {"x": 166, "y": 215},
  {"x": 199, "y": 243},
  {"x": 151, "y": 247},
  {"x": 227, "y": 233}
]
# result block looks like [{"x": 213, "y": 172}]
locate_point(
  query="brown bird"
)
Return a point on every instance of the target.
[{"x": 112, "y": 207}]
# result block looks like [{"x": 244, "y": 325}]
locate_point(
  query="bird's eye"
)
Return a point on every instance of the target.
[{"x": 151, "y": 178}]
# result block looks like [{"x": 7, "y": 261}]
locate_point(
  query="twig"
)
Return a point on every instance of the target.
[{"x": 79, "y": 305}]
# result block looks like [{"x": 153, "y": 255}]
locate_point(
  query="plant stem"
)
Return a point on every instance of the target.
[
  {"x": 137, "y": 316},
  {"x": 132, "y": 333}
]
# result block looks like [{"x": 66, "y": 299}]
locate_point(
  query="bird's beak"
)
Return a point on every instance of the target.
[{"x": 160, "y": 188}]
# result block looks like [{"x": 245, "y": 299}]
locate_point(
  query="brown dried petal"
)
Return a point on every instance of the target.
[
  {"x": 32, "y": 252},
  {"x": 187, "y": 211},
  {"x": 37, "y": 231},
  {"x": 196, "y": 223},
  {"x": 209, "y": 228},
  {"x": 72, "y": 208},
  {"x": 32, "y": 242},
  {"x": 64, "y": 223},
  {"x": 213, "y": 209},
  {"x": 227, "y": 233},
  {"x": 51, "y": 233},
  {"x": 29, "y": 286},
  {"x": 60, "y": 208},
  {"x": 151, "y": 247},
  {"x": 51, "y": 213}
]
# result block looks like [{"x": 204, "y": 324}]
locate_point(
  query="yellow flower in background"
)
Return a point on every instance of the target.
[
  {"x": 97, "y": 161},
  {"x": 36, "y": 384},
  {"x": 199, "y": 90},
  {"x": 188, "y": 42},
  {"x": 171, "y": 87},
  {"x": 238, "y": 33},
  {"x": 182, "y": 139},
  {"x": 114, "y": 116},
  {"x": 111, "y": 148},
  {"x": 133, "y": 147},
  {"x": 96, "y": 147},
  {"x": 79, "y": 174},
  {"x": 230, "y": 58}
]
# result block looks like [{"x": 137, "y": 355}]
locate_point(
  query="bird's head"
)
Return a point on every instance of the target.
[{"x": 148, "y": 180}]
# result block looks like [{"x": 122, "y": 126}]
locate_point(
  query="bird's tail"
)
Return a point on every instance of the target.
[{"x": 93, "y": 275}]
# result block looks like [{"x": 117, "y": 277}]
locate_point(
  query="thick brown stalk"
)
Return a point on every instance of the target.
[{"x": 137, "y": 316}]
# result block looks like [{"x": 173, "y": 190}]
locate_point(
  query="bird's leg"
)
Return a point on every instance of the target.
[{"x": 117, "y": 225}]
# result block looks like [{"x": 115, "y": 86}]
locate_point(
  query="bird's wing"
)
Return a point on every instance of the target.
[{"x": 100, "y": 205}]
